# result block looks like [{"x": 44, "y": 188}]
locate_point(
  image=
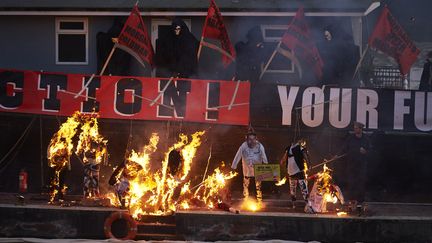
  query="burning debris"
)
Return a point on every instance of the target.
[
  {"x": 148, "y": 191},
  {"x": 212, "y": 192},
  {"x": 324, "y": 191}
]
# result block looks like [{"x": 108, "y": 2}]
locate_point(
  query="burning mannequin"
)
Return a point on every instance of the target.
[
  {"x": 251, "y": 152},
  {"x": 125, "y": 172},
  {"x": 92, "y": 159},
  {"x": 59, "y": 160},
  {"x": 296, "y": 158},
  {"x": 324, "y": 191}
]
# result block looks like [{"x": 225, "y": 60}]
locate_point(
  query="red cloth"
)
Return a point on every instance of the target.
[
  {"x": 134, "y": 38},
  {"x": 390, "y": 38},
  {"x": 298, "y": 39},
  {"x": 214, "y": 28}
]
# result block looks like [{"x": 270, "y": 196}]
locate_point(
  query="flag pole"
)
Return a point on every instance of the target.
[
  {"x": 271, "y": 59},
  {"x": 202, "y": 35},
  {"x": 100, "y": 74},
  {"x": 234, "y": 94},
  {"x": 200, "y": 47},
  {"x": 360, "y": 61},
  {"x": 108, "y": 59},
  {"x": 162, "y": 91}
]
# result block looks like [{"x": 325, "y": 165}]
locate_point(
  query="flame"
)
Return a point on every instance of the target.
[
  {"x": 251, "y": 205},
  {"x": 325, "y": 191},
  {"x": 59, "y": 151},
  {"x": 189, "y": 151},
  {"x": 281, "y": 182},
  {"x": 152, "y": 192},
  {"x": 155, "y": 191},
  {"x": 209, "y": 190},
  {"x": 340, "y": 214},
  {"x": 90, "y": 140},
  {"x": 61, "y": 146},
  {"x": 184, "y": 205}
]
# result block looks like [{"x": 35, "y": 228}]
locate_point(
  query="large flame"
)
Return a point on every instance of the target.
[
  {"x": 155, "y": 191},
  {"x": 62, "y": 144},
  {"x": 60, "y": 149},
  {"x": 90, "y": 138},
  {"x": 209, "y": 190}
]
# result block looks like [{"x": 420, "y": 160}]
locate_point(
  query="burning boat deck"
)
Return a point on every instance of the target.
[{"x": 383, "y": 222}]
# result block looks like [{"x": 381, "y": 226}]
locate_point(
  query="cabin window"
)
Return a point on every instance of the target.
[
  {"x": 71, "y": 41},
  {"x": 272, "y": 34}
]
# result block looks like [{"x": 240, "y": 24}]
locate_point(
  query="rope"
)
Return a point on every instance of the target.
[
  {"x": 15, "y": 145},
  {"x": 208, "y": 162}
]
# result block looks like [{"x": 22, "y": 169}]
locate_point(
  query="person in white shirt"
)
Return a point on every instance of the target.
[{"x": 251, "y": 152}]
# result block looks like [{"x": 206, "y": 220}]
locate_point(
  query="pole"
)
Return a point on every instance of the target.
[
  {"x": 101, "y": 72},
  {"x": 271, "y": 59},
  {"x": 208, "y": 162},
  {"x": 328, "y": 161},
  {"x": 85, "y": 86},
  {"x": 162, "y": 91},
  {"x": 235, "y": 93},
  {"x": 360, "y": 61},
  {"x": 41, "y": 151},
  {"x": 200, "y": 48},
  {"x": 108, "y": 59}
]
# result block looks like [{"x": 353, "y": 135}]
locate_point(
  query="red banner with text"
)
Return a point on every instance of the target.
[{"x": 116, "y": 97}]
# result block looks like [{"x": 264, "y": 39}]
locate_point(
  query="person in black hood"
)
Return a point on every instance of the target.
[
  {"x": 120, "y": 61},
  {"x": 250, "y": 56},
  {"x": 340, "y": 56},
  {"x": 426, "y": 77},
  {"x": 176, "y": 52}
]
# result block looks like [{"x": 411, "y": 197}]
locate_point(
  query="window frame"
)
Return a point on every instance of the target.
[
  {"x": 275, "y": 40},
  {"x": 83, "y": 31}
]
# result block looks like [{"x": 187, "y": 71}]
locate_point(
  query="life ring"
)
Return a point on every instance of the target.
[{"x": 132, "y": 226}]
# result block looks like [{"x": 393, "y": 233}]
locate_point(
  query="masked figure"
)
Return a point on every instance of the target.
[
  {"x": 176, "y": 51},
  {"x": 251, "y": 152},
  {"x": 296, "y": 158}
]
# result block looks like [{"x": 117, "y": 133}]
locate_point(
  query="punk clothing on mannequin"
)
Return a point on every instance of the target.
[
  {"x": 296, "y": 159},
  {"x": 251, "y": 152}
]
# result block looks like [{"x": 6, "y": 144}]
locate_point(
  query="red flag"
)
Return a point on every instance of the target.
[
  {"x": 134, "y": 38},
  {"x": 390, "y": 38},
  {"x": 298, "y": 39},
  {"x": 214, "y": 28}
]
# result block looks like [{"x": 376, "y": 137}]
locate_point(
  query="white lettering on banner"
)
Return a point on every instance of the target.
[
  {"x": 367, "y": 103},
  {"x": 313, "y": 106},
  {"x": 287, "y": 102},
  {"x": 400, "y": 109},
  {"x": 340, "y": 111},
  {"x": 422, "y": 114}
]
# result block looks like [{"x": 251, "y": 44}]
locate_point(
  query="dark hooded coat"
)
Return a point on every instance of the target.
[{"x": 176, "y": 55}]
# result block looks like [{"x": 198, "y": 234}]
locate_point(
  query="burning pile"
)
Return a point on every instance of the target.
[
  {"x": 324, "y": 191},
  {"x": 91, "y": 146},
  {"x": 158, "y": 191},
  {"x": 212, "y": 190}
]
